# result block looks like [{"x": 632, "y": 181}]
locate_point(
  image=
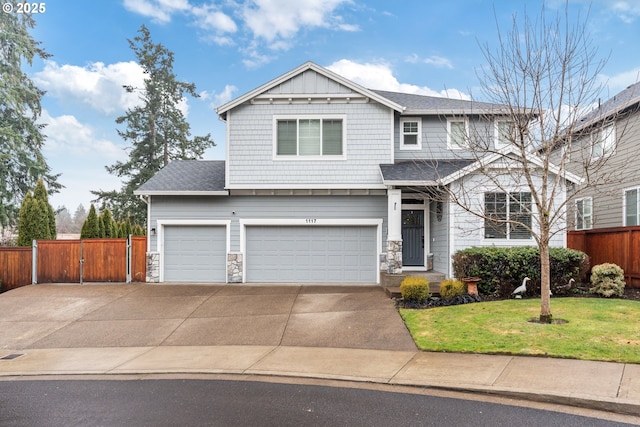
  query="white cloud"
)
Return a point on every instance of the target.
[
  {"x": 158, "y": 10},
  {"x": 620, "y": 81},
  {"x": 627, "y": 11},
  {"x": 209, "y": 17},
  {"x": 439, "y": 61},
  {"x": 97, "y": 85},
  {"x": 67, "y": 137},
  {"x": 219, "y": 99},
  {"x": 380, "y": 76},
  {"x": 272, "y": 20}
]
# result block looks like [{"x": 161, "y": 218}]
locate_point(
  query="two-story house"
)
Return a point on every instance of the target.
[
  {"x": 326, "y": 181},
  {"x": 607, "y": 146}
]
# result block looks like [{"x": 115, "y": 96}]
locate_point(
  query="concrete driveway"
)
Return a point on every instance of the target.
[{"x": 141, "y": 315}]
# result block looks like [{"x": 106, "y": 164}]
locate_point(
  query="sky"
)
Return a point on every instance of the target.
[{"x": 228, "y": 48}]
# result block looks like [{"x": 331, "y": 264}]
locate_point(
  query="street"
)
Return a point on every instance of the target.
[{"x": 250, "y": 403}]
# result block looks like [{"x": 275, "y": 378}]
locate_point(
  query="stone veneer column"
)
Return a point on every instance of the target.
[
  {"x": 234, "y": 267},
  {"x": 153, "y": 267},
  {"x": 394, "y": 256}
]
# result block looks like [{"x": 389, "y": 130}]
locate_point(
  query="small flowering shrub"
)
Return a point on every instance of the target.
[
  {"x": 451, "y": 288},
  {"x": 607, "y": 280},
  {"x": 414, "y": 288}
]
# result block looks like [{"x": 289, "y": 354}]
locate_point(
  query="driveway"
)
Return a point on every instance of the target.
[{"x": 141, "y": 315}]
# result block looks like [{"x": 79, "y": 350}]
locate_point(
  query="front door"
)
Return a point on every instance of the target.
[{"x": 413, "y": 238}]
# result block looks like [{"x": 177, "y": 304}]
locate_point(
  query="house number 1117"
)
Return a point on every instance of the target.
[{"x": 311, "y": 220}]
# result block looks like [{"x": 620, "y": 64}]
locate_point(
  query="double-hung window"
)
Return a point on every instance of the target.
[
  {"x": 410, "y": 133},
  {"x": 603, "y": 141},
  {"x": 507, "y": 215},
  {"x": 457, "y": 132},
  {"x": 584, "y": 213},
  {"x": 632, "y": 206},
  {"x": 309, "y": 137},
  {"x": 504, "y": 133}
]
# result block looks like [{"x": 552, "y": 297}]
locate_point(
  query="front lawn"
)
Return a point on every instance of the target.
[{"x": 597, "y": 328}]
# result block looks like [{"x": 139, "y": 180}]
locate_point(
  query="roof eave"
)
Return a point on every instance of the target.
[{"x": 180, "y": 193}]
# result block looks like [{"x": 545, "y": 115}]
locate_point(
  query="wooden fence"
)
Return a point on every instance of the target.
[
  {"x": 618, "y": 245},
  {"x": 75, "y": 261}
]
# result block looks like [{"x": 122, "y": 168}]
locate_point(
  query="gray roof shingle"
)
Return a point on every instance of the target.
[
  {"x": 187, "y": 176},
  {"x": 620, "y": 101},
  {"x": 413, "y": 102},
  {"x": 422, "y": 170}
]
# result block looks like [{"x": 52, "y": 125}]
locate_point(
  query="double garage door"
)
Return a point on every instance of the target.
[{"x": 305, "y": 254}]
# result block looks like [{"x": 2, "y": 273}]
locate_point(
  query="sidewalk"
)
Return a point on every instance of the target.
[{"x": 60, "y": 343}]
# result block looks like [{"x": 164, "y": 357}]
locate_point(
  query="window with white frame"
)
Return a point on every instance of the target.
[
  {"x": 632, "y": 206},
  {"x": 410, "y": 133},
  {"x": 584, "y": 213},
  {"x": 309, "y": 137},
  {"x": 507, "y": 215},
  {"x": 504, "y": 133},
  {"x": 603, "y": 141},
  {"x": 457, "y": 131}
]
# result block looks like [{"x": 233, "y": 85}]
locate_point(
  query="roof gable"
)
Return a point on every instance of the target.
[{"x": 295, "y": 82}]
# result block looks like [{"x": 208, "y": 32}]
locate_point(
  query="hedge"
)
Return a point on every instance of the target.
[{"x": 503, "y": 269}]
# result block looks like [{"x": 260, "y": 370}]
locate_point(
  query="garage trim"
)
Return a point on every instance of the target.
[
  {"x": 311, "y": 222},
  {"x": 160, "y": 224}
]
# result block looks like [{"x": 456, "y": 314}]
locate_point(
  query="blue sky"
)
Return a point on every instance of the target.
[{"x": 228, "y": 48}]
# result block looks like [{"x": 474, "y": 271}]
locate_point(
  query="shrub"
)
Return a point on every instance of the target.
[
  {"x": 607, "y": 280},
  {"x": 502, "y": 269},
  {"x": 414, "y": 288},
  {"x": 451, "y": 288}
]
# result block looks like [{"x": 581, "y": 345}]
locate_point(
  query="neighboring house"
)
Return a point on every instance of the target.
[
  {"x": 327, "y": 181},
  {"x": 608, "y": 139}
]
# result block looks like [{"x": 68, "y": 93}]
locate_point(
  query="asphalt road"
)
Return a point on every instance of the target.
[{"x": 173, "y": 402}]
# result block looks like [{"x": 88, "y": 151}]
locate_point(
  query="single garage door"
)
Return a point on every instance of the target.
[
  {"x": 311, "y": 254},
  {"x": 195, "y": 253}
]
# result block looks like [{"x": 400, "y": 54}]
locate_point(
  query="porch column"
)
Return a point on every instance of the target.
[{"x": 394, "y": 231}]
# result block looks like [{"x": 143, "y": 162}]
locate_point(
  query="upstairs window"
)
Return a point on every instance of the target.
[
  {"x": 603, "y": 141},
  {"x": 504, "y": 133},
  {"x": 503, "y": 207},
  {"x": 584, "y": 214},
  {"x": 457, "y": 132},
  {"x": 632, "y": 206},
  {"x": 410, "y": 134},
  {"x": 309, "y": 137}
]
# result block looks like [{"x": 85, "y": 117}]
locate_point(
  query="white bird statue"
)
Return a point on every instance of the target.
[
  {"x": 566, "y": 287},
  {"x": 522, "y": 288}
]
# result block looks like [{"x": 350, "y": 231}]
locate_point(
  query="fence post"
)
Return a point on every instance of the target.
[
  {"x": 34, "y": 262},
  {"x": 81, "y": 261},
  {"x": 129, "y": 250}
]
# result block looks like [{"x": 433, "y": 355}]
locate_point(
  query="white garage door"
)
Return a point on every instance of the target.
[
  {"x": 195, "y": 253},
  {"x": 311, "y": 254}
]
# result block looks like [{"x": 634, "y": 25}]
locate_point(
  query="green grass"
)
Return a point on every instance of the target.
[{"x": 597, "y": 329}]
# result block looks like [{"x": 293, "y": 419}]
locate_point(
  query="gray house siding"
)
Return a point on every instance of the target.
[
  {"x": 439, "y": 235},
  {"x": 250, "y": 157},
  {"x": 617, "y": 174}
]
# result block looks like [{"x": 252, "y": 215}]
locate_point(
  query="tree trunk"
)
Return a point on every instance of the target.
[{"x": 545, "y": 283}]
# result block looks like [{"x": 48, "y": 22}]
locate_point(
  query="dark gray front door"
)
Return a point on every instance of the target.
[{"x": 413, "y": 238}]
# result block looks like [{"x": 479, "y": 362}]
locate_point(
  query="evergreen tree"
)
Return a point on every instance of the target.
[
  {"x": 79, "y": 217},
  {"x": 90, "y": 228},
  {"x": 100, "y": 226},
  {"x": 127, "y": 229},
  {"x": 157, "y": 130},
  {"x": 40, "y": 193},
  {"x": 24, "y": 221},
  {"x": 21, "y": 137},
  {"x": 109, "y": 224},
  {"x": 33, "y": 222}
]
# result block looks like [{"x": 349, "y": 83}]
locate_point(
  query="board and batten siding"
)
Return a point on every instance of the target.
[
  {"x": 309, "y": 82},
  {"x": 265, "y": 207},
  {"x": 250, "y": 156}
]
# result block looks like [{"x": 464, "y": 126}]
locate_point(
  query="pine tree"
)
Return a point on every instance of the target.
[
  {"x": 33, "y": 222},
  {"x": 21, "y": 137},
  {"x": 40, "y": 193},
  {"x": 90, "y": 228},
  {"x": 156, "y": 130},
  {"x": 109, "y": 224},
  {"x": 24, "y": 221},
  {"x": 101, "y": 226}
]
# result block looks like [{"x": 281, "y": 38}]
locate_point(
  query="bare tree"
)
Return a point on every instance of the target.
[{"x": 540, "y": 80}]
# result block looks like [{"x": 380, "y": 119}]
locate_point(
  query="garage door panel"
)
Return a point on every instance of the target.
[
  {"x": 194, "y": 253},
  {"x": 311, "y": 254}
]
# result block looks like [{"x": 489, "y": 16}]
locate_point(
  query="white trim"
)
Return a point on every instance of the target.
[
  {"x": 227, "y": 150},
  {"x": 410, "y": 147},
  {"x": 426, "y": 249},
  {"x": 450, "y": 145},
  {"x": 161, "y": 223},
  {"x": 392, "y": 137},
  {"x": 496, "y": 133},
  {"x": 308, "y": 187},
  {"x": 310, "y": 222},
  {"x": 297, "y": 156},
  {"x": 582, "y": 199},
  {"x": 624, "y": 203},
  {"x": 610, "y": 137},
  {"x": 451, "y": 223},
  {"x": 181, "y": 193}
]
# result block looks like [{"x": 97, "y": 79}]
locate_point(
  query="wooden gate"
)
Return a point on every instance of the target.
[{"x": 15, "y": 267}]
